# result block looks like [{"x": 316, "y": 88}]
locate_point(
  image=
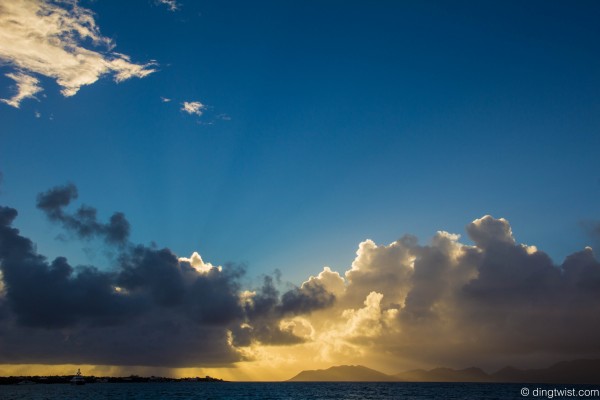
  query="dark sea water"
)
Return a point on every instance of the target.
[{"x": 280, "y": 390}]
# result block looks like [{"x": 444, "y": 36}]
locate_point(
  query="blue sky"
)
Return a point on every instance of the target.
[{"x": 326, "y": 123}]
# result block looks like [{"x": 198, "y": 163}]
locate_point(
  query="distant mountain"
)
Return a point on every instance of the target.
[
  {"x": 578, "y": 371},
  {"x": 342, "y": 373}
]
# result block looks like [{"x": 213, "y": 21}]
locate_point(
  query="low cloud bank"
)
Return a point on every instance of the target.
[{"x": 444, "y": 302}]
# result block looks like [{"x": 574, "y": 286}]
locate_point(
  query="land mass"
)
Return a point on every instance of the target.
[
  {"x": 573, "y": 372},
  {"x": 55, "y": 379},
  {"x": 342, "y": 373}
]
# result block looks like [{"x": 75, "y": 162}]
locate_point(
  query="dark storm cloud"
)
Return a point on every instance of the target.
[
  {"x": 149, "y": 308},
  {"x": 54, "y": 294},
  {"x": 263, "y": 314},
  {"x": 268, "y": 308},
  {"x": 84, "y": 221},
  {"x": 151, "y": 311},
  {"x": 267, "y": 301},
  {"x": 309, "y": 297},
  {"x": 222, "y": 288},
  {"x": 154, "y": 273},
  {"x": 160, "y": 339}
]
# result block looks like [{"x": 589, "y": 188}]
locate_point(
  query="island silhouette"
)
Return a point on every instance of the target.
[
  {"x": 573, "y": 372},
  {"x": 57, "y": 379}
]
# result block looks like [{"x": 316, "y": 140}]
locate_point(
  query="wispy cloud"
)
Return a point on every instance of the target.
[
  {"x": 199, "y": 109},
  {"x": 47, "y": 38},
  {"x": 173, "y": 5},
  {"x": 27, "y": 86},
  {"x": 193, "y": 107}
]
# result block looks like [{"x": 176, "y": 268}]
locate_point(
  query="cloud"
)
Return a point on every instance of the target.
[
  {"x": 193, "y": 107},
  {"x": 405, "y": 304},
  {"x": 198, "y": 264},
  {"x": 312, "y": 295},
  {"x": 265, "y": 309},
  {"x": 52, "y": 294},
  {"x": 84, "y": 221},
  {"x": 488, "y": 231},
  {"x": 150, "y": 310},
  {"x": 452, "y": 304},
  {"x": 173, "y": 5},
  {"x": 27, "y": 86},
  {"x": 200, "y": 109},
  {"x": 61, "y": 41}
]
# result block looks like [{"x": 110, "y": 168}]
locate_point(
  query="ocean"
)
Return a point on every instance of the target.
[{"x": 292, "y": 390}]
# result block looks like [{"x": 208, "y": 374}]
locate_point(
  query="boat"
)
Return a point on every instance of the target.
[{"x": 78, "y": 379}]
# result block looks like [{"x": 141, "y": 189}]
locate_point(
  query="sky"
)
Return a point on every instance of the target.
[{"x": 281, "y": 185}]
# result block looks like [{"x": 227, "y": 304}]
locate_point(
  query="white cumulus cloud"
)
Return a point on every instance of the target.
[
  {"x": 172, "y": 5},
  {"x": 193, "y": 107},
  {"x": 61, "y": 41},
  {"x": 198, "y": 264}
]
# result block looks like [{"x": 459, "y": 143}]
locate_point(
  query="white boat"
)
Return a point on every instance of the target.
[{"x": 78, "y": 379}]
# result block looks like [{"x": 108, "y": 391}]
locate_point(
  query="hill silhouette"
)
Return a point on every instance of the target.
[
  {"x": 342, "y": 373},
  {"x": 577, "y": 371},
  {"x": 573, "y": 372}
]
